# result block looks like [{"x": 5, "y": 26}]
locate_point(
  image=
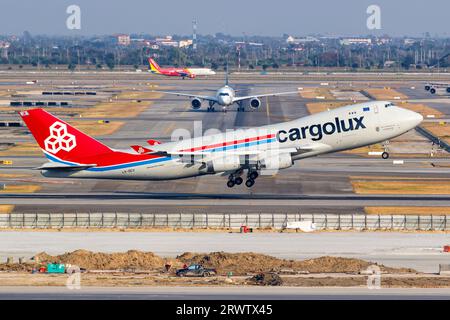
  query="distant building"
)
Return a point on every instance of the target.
[
  {"x": 381, "y": 41},
  {"x": 356, "y": 41},
  {"x": 408, "y": 42},
  {"x": 185, "y": 43},
  {"x": 123, "y": 39},
  {"x": 308, "y": 39},
  {"x": 389, "y": 64},
  {"x": 167, "y": 42}
]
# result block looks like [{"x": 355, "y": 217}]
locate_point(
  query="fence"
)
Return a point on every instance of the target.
[{"x": 217, "y": 220}]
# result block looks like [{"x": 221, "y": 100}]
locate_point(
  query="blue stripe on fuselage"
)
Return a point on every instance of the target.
[{"x": 161, "y": 159}]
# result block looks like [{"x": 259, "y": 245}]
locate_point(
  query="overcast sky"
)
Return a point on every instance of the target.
[{"x": 252, "y": 17}]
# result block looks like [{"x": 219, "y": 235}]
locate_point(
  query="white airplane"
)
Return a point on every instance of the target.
[
  {"x": 433, "y": 86},
  {"x": 225, "y": 97},
  {"x": 266, "y": 149}
]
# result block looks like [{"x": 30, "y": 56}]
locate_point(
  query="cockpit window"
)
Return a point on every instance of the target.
[
  {"x": 388, "y": 105},
  {"x": 224, "y": 94}
]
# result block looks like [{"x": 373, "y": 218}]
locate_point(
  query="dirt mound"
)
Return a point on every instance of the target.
[
  {"x": 17, "y": 267},
  {"x": 249, "y": 262},
  {"x": 238, "y": 263},
  {"x": 106, "y": 261},
  {"x": 266, "y": 279},
  {"x": 329, "y": 264}
]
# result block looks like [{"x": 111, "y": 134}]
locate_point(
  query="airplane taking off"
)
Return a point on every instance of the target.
[
  {"x": 179, "y": 72},
  {"x": 266, "y": 149},
  {"x": 225, "y": 97}
]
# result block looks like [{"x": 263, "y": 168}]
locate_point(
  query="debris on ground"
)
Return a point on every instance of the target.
[{"x": 266, "y": 279}]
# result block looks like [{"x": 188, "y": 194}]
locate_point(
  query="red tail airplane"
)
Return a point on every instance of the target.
[{"x": 178, "y": 72}]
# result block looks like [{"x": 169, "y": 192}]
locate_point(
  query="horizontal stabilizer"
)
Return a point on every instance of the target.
[{"x": 59, "y": 166}]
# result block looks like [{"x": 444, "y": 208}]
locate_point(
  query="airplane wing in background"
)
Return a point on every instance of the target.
[
  {"x": 236, "y": 99},
  {"x": 189, "y": 95}
]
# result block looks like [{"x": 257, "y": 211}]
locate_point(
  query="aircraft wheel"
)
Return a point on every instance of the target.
[
  {"x": 253, "y": 175},
  {"x": 238, "y": 181},
  {"x": 230, "y": 184},
  {"x": 385, "y": 155},
  {"x": 432, "y": 90},
  {"x": 249, "y": 183}
]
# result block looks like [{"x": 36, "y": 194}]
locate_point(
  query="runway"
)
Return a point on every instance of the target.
[
  {"x": 217, "y": 203},
  {"x": 219, "y": 293}
]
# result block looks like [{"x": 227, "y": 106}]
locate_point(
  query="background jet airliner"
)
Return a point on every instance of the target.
[
  {"x": 433, "y": 86},
  {"x": 73, "y": 154},
  {"x": 179, "y": 72},
  {"x": 225, "y": 97}
]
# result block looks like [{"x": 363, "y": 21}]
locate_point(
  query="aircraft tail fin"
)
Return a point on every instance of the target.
[
  {"x": 61, "y": 142},
  {"x": 154, "y": 67},
  {"x": 226, "y": 74}
]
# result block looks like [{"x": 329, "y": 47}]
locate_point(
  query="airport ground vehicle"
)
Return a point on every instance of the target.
[
  {"x": 196, "y": 270},
  {"x": 259, "y": 150}
]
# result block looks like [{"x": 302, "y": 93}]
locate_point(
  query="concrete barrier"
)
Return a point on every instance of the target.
[{"x": 224, "y": 220}]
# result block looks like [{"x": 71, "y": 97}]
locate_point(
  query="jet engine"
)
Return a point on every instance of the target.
[
  {"x": 196, "y": 104},
  {"x": 225, "y": 163},
  {"x": 278, "y": 161},
  {"x": 255, "y": 103}
]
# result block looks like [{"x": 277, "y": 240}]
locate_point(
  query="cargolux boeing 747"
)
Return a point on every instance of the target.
[{"x": 238, "y": 154}]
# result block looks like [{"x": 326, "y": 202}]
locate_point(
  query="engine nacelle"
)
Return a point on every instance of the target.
[
  {"x": 278, "y": 161},
  {"x": 226, "y": 163},
  {"x": 255, "y": 103},
  {"x": 196, "y": 104}
]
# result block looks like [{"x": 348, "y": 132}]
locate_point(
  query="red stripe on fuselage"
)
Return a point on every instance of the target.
[
  {"x": 119, "y": 157},
  {"x": 226, "y": 144}
]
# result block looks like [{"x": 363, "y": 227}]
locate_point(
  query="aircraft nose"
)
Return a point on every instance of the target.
[{"x": 412, "y": 118}]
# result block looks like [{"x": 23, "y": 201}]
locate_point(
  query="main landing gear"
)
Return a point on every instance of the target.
[
  {"x": 237, "y": 180},
  {"x": 385, "y": 155},
  {"x": 210, "y": 109}
]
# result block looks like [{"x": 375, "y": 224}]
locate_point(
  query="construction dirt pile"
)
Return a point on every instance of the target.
[
  {"x": 247, "y": 263},
  {"x": 106, "y": 261}
]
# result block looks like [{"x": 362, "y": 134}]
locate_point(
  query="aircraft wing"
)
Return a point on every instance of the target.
[
  {"x": 189, "y": 95},
  {"x": 264, "y": 95}
]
